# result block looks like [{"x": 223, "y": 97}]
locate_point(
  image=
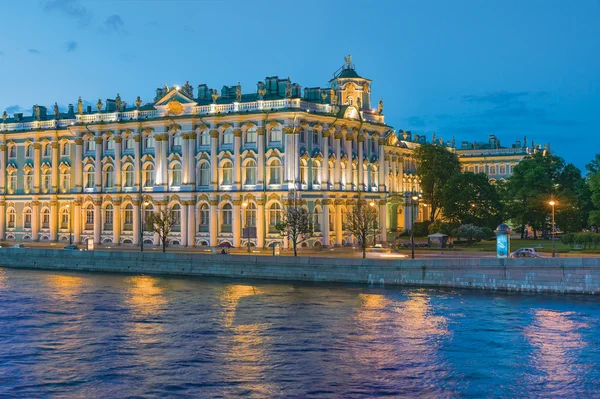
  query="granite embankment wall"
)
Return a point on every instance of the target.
[{"x": 563, "y": 275}]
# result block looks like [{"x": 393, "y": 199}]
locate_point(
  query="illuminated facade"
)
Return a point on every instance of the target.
[{"x": 96, "y": 174}]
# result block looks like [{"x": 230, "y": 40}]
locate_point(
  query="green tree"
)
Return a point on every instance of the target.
[
  {"x": 469, "y": 198},
  {"x": 161, "y": 223},
  {"x": 435, "y": 166},
  {"x": 574, "y": 203},
  {"x": 593, "y": 179},
  {"x": 361, "y": 222},
  {"x": 530, "y": 188},
  {"x": 471, "y": 233},
  {"x": 296, "y": 225}
]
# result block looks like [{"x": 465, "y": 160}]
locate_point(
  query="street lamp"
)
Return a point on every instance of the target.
[
  {"x": 143, "y": 205},
  {"x": 245, "y": 206},
  {"x": 553, "y": 204},
  {"x": 415, "y": 203},
  {"x": 372, "y": 205}
]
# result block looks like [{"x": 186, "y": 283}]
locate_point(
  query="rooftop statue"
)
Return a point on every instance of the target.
[
  {"x": 80, "y": 106},
  {"x": 56, "y": 111},
  {"x": 118, "y": 102},
  {"x": 4, "y": 116},
  {"x": 36, "y": 110},
  {"x": 288, "y": 89},
  {"x": 261, "y": 90},
  {"x": 138, "y": 103},
  {"x": 348, "y": 60},
  {"x": 214, "y": 95},
  {"x": 380, "y": 106},
  {"x": 99, "y": 105},
  {"x": 188, "y": 89},
  {"x": 238, "y": 92}
]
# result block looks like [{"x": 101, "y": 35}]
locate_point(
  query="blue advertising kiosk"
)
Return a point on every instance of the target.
[{"x": 502, "y": 241}]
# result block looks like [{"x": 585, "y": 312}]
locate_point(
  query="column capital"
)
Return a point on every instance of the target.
[
  {"x": 327, "y": 201},
  {"x": 381, "y": 141},
  {"x": 325, "y": 133},
  {"x": 288, "y": 130},
  {"x": 214, "y": 134},
  {"x": 53, "y": 203},
  {"x": 118, "y": 140},
  {"x": 237, "y": 202},
  {"x": 2, "y": 147},
  {"x": 79, "y": 141},
  {"x": 98, "y": 140},
  {"x": 97, "y": 202},
  {"x": 360, "y": 138},
  {"x": 382, "y": 202},
  {"x": 213, "y": 202},
  {"x": 35, "y": 203},
  {"x": 137, "y": 138},
  {"x": 37, "y": 146},
  {"x": 261, "y": 131},
  {"x": 237, "y": 133},
  {"x": 54, "y": 145},
  {"x": 338, "y": 135}
]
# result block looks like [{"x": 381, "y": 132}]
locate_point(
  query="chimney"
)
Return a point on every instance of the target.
[{"x": 70, "y": 111}]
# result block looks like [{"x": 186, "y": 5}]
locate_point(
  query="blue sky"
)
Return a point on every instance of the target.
[{"x": 461, "y": 68}]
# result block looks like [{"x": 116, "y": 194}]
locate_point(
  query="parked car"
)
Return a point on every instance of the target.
[
  {"x": 71, "y": 248},
  {"x": 525, "y": 253},
  {"x": 18, "y": 246}
]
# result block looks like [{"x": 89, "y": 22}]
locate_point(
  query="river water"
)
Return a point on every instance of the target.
[{"x": 84, "y": 335}]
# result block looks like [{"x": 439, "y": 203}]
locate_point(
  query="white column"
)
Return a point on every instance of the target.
[
  {"x": 393, "y": 161},
  {"x": 191, "y": 228},
  {"x": 296, "y": 155},
  {"x": 261, "y": 157},
  {"x": 325, "y": 167},
  {"x": 35, "y": 220},
  {"x": 349, "y": 164},
  {"x": 382, "y": 166},
  {"x": 383, "y": 221},
  {"x": 78, "y": 163},
  {"x": 214, "y": 215},
  {"x": 214, "y": 164},
  {"x": 97, "y": 221},
  {"x": 260, "y": 224},
  {"x": 137, "y": 162},
  {"x": 2, "y": 219},
  {"x": 98, "y": 164},
  {"x": 2, "y": 172},
  {"x": 76, "y": 215},
  {"x": 36, "y": 167},
  {"x": 136, "y": 223},
  {"x": 236, "y": 223},
  {"x": 192, "y": 159},
  {"x": 53, "y": 220},
  {"x": 183, "y": 232},
  {"x": 118, "y": 168},
  {"x": 55, "y": 161},
  {"x": 337, "y": 178},
  {"x": 338, "y": 224},
  {"x": 360, "y": 168},
  {"x": 401, "y": 175},
  {"x": 117, "y": 223},
  {"x": 237, "y": 159},
  {"x": 325, "y": 223},
  {"x": 163, "y": 164},
  {"x": 185, "y": 158}
]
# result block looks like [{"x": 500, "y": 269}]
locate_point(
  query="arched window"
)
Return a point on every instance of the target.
[
  {"x": 149, "y": 142},
  {"x": 176, "y": 215},
  {"x": 317, "y": 219},
  {"x": 110, "y": 144},
  {"x": 128, "y": 217},
  {"x": 275, "y": 135},
  {"x": 251, "y": 135},
  {"x": 129, "y": 142},
  {"x": 204, "y": 218},
  {"x": 90, "y": 145},
  {"x": 12, "y": 151},
  {"x": 275, "y": 172},
  {"x": 46, "y": 180},
  {"x": 316, "y": 172},
  {"x": 374, "y": 176},
  {"x": 65, "y": 218},
  {"x": 228, "y": 137},
  {"x": 27, "y": 218},
  {"x": 89, "y": 217},
  {"x": 108, "y": 217},
  {"x": 205, "y": 138},
  {"x": 64, "y": 149},
  {"x": 148, "y": 210},
  {"x": 204, "y": 174},
  {"x": 109, "y": 176},
  {"x": 28, "y": 181},
  {"x": 250, "y": 215},
  {"x": 226, "y": 217},
  {"x": 250, "y": 172},
  {"x": 65, "y": 180},
  {"x": 12, "y": 217},
  {"x": 303, "y": 171},
  {"x": 354, "y": 175},
  {"x": 28, "y": 150},
  {"x": 47, "y": 148},
  {"x": 331, "y": 172},
  {"x": 492, "y": 170},
  {"x": 502, "y": 169},
  {"x": 226, "y": 173},
  {"x": 45, "y": 218},
  {"x": 177, "y": 141},
  {"x": 149, "y": 175},
  {"x": 176, "y": 175},
  {"x": 274, "y": 216},
  {"x": 89, "y": 176},
  {"x": 12, "y": 182},
  {"x": 128, "y": 176}
]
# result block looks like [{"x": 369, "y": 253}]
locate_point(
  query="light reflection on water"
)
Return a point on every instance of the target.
[{"x": 78, "y": 335}]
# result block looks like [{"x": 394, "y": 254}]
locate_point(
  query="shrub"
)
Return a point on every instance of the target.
[
  {"x": 471, "y": 233},
  {"x": 421, "y": 229},
  {"x": 441, "y": 227}
]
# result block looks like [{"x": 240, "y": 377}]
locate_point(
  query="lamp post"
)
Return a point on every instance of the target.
[
  {"x": 553, "y": 204},
  {"x": 245, "y": 206},
  {"x": 70, "y": 223},
  {"x": 415, "y": 203},
  {"x": 143, "y": 204}
]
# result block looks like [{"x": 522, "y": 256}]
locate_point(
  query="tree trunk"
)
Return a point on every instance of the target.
[
  {"x": 164, "y": 242},
  {"x": 295, "y": 248},
  {"x": 364, "y": 251}
]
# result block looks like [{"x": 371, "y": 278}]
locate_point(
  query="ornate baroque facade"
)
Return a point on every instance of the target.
[{"x": 226, "y": 165}]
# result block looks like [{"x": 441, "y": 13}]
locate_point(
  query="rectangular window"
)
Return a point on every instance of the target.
[
  {"x": 316, "y": 137},
  {"x": 251, "y": 136}
]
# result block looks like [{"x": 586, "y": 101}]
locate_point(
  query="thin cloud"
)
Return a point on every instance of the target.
[
  {"x": 17, "y": 108},
  {"x": 34, "y": 51},
  {"x": 71, "y": 46},
  {"x": 69, "y": 8},
  {"x": 114, "y": 24},
  {"x": 496, "y": 98}
]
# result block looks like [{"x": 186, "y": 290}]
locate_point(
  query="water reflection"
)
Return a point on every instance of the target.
[
  {"x": 556, "y": 338},
  {"x": 63, "y": 287},
  {"x": 245, "y": 340},
  {"x": 147, "y": 301},
  {"x": 3, "y": 279}
]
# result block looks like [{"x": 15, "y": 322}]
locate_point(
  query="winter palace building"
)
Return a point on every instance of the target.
[{"x": 225, "y": 163}]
